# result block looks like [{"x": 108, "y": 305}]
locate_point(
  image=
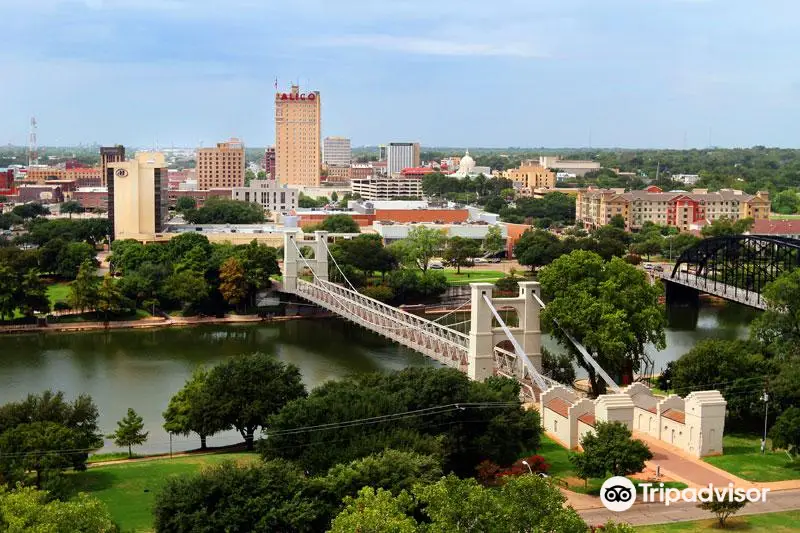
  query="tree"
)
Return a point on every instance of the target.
[
  {"x": 558, "y": 366},
  {"x": 786, "y": 202},
  {"x": 249, "y": 176},
  {"x": 191, "y": 410},
  {"x": 31, "y": 510},
  {"x": 608, "y": 307},
  {"x": 71, "y": 207},
  {"x": 187, "y": 287},
  {"x": 259, "y": 262},
  {"x": 272, "y": 496},
  {"x": 109, "y": 298},
  {"x": 778, "y": 328},
  {"x": 32, "y": 296},
  {"x": 70, "y": 258},
  {"x": 537, "y": 248},
  {"x": 8, "y": 292},
  {"x": 376, "y": 511},
  {"x": 617, "y": 221},
  {"x": 366, "y": 253},
  {"x": 494, "y": 243},
  {"x": 723, "y": 508},
  {"x": 248, "y": 389},
  {"x": 83, "y": 292},
  {"x": 785, "y": 434},
  {"x": 727, "y": 226},
  {"x": 652, "y": 245},
  {"x": 610, "y": 449},
  {"x": 340, "y": 224},
  {"x": 225, "y": 211},
  {"x": 422, "y": 245},
  {"x": 129, "y": 431},
  {"x": 460, "y": 251},
  {"x": 232, "y": 282},
  {"x": 185, "y": 203}
]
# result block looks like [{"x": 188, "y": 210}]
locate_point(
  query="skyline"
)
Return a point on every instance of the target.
[{"x": 627, "y": 73}]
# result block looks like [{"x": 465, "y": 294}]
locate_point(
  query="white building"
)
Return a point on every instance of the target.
[
  {"x": 571, "y": 166},
  {"x": 391, "y": 232},
  {"x": 270, "y": 194},
  {"x": 387, "y": 188},
  {"x": 400, "y": 156},
  {"x": 336, "y": 151},
  {"x": 686, "y": 179},
  {"x": 468, "y": 169}
]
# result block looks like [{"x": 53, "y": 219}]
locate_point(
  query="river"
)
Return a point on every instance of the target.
[{"x": 144, "y": 368}]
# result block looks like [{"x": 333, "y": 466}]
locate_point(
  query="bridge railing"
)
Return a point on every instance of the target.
[
  {"x": 730, "y": 292},
  {"x": 446, "y": 345},
  {"x": 507, "y": 364}
]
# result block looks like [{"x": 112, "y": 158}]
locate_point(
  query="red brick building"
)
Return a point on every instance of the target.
[
  {"x": 95, "y": 198},
  {"x": 199, "y": 196}
]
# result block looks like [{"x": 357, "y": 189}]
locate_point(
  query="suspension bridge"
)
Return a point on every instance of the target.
[{"x": 489, "y": 347}]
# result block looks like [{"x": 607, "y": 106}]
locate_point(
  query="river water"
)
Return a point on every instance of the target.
[{"x": 144, "y": 368}]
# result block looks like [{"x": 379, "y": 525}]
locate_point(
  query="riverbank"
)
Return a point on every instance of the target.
[{"x": 152, "y": 322}]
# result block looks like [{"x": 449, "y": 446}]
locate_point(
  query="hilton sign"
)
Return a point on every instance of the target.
[{"x": 299, "y": 96}]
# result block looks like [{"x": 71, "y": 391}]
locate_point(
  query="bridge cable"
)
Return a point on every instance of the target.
[
  {"x": 325, "y": 242},
  {"x": 584, "y": 353},
  {"x": 540, "y": 382}
]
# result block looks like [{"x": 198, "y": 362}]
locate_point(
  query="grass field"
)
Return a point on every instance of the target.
[
  {"x": 776, "y": 216},
  {"x": 471, "y": 276},
  {"x": 742, "y": 457},
  {"x": 759, "y": 523},
  {"x": 58, "y": 292},
  {"x": 129, "y": 489}
]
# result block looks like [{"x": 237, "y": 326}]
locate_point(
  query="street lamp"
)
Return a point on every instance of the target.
[{"x": 528, "y": 465}]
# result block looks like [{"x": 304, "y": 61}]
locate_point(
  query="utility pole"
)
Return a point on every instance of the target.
[{"x": 765, "y": 397}]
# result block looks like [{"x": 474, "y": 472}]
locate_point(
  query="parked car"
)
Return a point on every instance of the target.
[
  {"x": 479, "y": 261},
  {"x": 493, "y": 260},
  {"x": 436, "y": 265}
]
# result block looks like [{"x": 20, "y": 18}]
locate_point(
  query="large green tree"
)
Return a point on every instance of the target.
[
  {"x": 340, "y": 224},
  {"x": 366, "y": 253},
  {"x": 537, "y": 248},
  {"x": 109, "y": 297},
  {"x": 71, "y": 207},
  {"x": 460, "y": 251},
  {"x": 246, "y": 390},
  {"x": 727, "y": 226},
  {"x": 225, "y": 211},
  {"x": 421, "y": 245},
  {"x": 610, "y": 449},
  {"x": 192, "y": 410},
  {"x": 785, "y": 434},
  {"x": 26, "y": 509},
  {"x": 233, "y": 282},
  {"x": 83, "y": 291},
  {"x": 778, "y": 328},
  {"x": 608, "y": 307}
]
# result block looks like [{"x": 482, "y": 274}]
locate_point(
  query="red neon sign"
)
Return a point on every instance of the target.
[{"x": 299, "y": 96}]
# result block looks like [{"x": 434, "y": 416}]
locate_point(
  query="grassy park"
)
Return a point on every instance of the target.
[
  {"x": 742, "y": 457},
  {"x": 468, "y": 276},
  {"x": 57, "y": 292},
  {"x": 759, "y": 523},
  {"x": 129, "y": 489}
]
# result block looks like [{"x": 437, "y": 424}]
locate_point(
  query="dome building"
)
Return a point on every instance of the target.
[{"x": 468, "y": 169}]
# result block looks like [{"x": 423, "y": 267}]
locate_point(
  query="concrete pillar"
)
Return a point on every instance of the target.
[
  {"x": 290, "y": 261},
  {"x": 481, "y": 344},
  {"x": 531, "y": 333},
  {"x": 321, "y": 254}
]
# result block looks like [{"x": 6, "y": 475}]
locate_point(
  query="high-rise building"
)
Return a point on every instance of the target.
[
  {"x": 109, "y": 154},
  {"x": 269, "y": 162},
  {"x": 381, "y": 152},
  {"x": 336, "y": 151},
  {"x": 297, "y": 138},
  {"x": 221, "y": 166},
  {"x": 400, "y": 156},
  {"x": 137, "y": 196}
]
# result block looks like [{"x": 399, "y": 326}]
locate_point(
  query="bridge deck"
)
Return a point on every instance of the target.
[{"x": 728, "y": 292}]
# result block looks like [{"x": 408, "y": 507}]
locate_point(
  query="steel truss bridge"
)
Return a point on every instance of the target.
[{"x": 735, "y": 267}]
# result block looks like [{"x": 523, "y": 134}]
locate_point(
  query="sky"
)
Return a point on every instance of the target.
[{"x": 458, "y": 73}]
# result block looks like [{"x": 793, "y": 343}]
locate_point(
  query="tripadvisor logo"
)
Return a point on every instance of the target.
[{"x": 619, "y": 494}]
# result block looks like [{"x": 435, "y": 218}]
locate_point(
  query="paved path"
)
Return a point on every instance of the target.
[{"x": 658, "y": 513}]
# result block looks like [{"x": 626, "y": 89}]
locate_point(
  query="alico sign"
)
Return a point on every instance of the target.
[{"x": 298, "y": 96}]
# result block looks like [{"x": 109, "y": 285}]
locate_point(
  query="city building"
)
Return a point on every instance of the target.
[
  {"x": 45, "y": 194},
  {"x": 85, "y": 176},
  {"x": 200, "y": 197},
  {"x": 360, "y": 171},
  {"x": 337, "y": 173},
  {"x": 391, "y": 231},
  {"x": 95, "y": 198},
  {"x": 42, "y": 173},
  {"x": 416, "y": 172},
  {"x": 367, "y": 213},
  {"x": 272, "y": 196},
  {"x": 571, "y": 166},
  {"x": 269, "y": 162},
  {"x": 776, "y": 228},
  {"x": 387, "y": 188},
  {"x": 468, "y": 169},
  {"x": 221, "y": 166},
  {"x": 684, "y": 210},
  {"x": 297, "y": 137},
  {"x": 531, "y": 177},
  {"x": 686, "y": 179},
  {"x": 400, "y": 156},
  {"x": 336, "y": 151},
  {"x": 6, "y": 179},
  {"x": 137, "y": 196},
  {"x": 381, "y": 152},
  {"x": 109, "y": 154}
]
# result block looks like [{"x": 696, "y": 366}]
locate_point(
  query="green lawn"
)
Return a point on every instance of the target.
[
  {"x": 759, "y": 523},
  {"x": 58, "y": 292},
  {"x": 776, "y": 216},
  {"x": 742, "y": 457},
  {"x": 129, "y": 489},
  {"x": 471, "y": 276}
]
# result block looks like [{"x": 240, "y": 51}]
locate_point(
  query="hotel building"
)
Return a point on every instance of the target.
[
  {"x": 297, "y": 138},
  {"x": 137, "y": 196},
  {"x": 221, "y": 166},
  {"x": 400, "y": 156}
]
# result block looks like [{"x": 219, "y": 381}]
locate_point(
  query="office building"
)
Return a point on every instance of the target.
[
  {"x": 109, "y": 154},
  {"x": 337, "y": 173},
  {"x": 336, "y": 151},
  {"x": 530, "y": 177},
  {"x": 272, "y": 196},
  {"x": 137, "y": 196},
  {"x": 269, "y": 162},
  {"x": 683, "y": 210},
  {"x": 577, "y": 167},
  {"x": 400, "y": 156},
  {"x": 381, "y": 152},
  {"x": 387, "y": 188},
  {"x": 297, "y": 138},
  {"x": 221, "y": 166}
]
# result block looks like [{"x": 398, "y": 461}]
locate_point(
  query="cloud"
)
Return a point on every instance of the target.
[{"x": 427, "y": 46}]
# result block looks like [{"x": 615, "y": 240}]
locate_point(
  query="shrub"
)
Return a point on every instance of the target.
[
  {"x": 508, "y": 284},
  {"x": 382, "y": 293},
  {"x": 633, "y": 259}
]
